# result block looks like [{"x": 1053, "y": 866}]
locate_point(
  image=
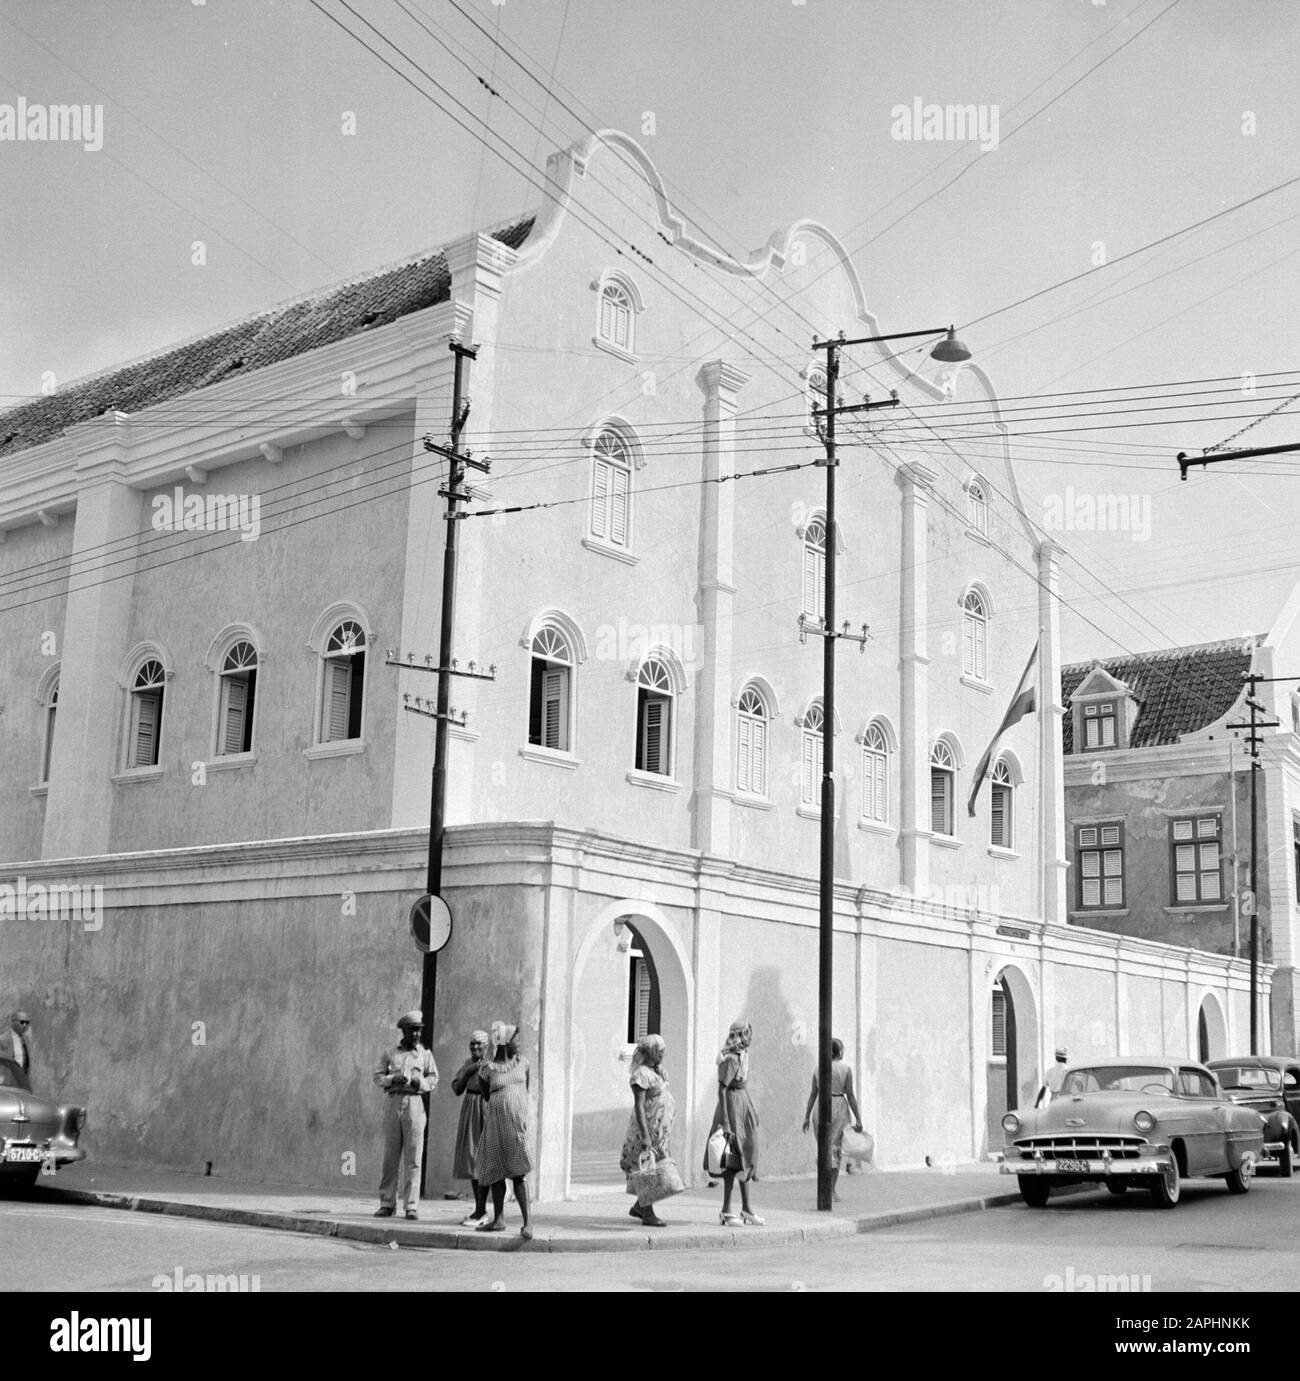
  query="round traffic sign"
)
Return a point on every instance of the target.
[{"x": 430, "y": 923}]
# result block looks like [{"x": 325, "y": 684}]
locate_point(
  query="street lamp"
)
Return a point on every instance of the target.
[{"x": 951, "y": 351}]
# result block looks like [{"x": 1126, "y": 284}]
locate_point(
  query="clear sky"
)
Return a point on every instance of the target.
[{"x": 227, "y": 122}]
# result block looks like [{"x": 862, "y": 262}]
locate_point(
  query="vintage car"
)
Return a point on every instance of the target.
[
  {"x": 1271, "y": 1085},
  {"x": 34, "y": 1131},
  {"x": 1137, "y": 1120}
]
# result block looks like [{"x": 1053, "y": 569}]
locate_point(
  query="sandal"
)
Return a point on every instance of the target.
[
  {"x": 752, "y": 1219},
  {"x": 495, "y": 1226},
  {"x": 526, "y": 1232},
  {"x": 729, "y": 1220}
]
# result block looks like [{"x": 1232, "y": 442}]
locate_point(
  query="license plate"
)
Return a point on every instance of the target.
[
  {"x": 1072, "y": 1167},
  {"x": 23, "y": 1153}
]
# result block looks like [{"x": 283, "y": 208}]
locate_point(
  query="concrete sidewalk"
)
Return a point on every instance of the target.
[{"x": 594, "y": 1222}]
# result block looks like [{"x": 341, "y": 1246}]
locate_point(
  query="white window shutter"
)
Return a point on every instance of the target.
[
  {"x": 338, "y": 693},
  {"x": 618, "y": 506},
  {"x": 653, "y": 728},
  {"x": 812, "y": 769},
  {"x": 600, "y": 501},
  {"x": 744, "y": 754},
  {"x": 939, "y": 799},
  {"x": 235, "y": 694},
  {"x": 758, "y": 757}
]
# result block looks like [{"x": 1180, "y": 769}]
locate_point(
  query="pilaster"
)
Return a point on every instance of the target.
[
  {"x": 916, "y": 481},
  {"x": 720, "y": 383},
  {"x": 1051, "y": 760}
]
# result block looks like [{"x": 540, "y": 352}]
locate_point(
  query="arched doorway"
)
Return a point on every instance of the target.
[
  {"x": 1211, "y": 1030},
  {"x": 629, "y": 980},
  {"x": 1011, "y": 1043}
]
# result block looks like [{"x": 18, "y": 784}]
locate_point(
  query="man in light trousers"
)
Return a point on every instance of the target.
[{"x": 405, "y": 1071}]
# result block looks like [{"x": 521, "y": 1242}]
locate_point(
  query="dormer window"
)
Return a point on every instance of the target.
[{"x": 1099, "y": 725}]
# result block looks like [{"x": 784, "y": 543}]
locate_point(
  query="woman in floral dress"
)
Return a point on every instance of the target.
[
  {"x": 651, "y": 1124},
  {"x": 735, "y": 1113},
  {"x": 503, "y": 1147}
]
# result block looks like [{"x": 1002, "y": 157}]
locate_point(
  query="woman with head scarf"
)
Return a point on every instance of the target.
[
  {"x": 467, "y": 1083},
  {"x": 651, "y": 1125},
  {"x": 736, "y": 1115},
  {"x": 503, "y": 1147}
]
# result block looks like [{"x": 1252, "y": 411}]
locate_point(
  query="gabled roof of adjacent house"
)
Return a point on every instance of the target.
[
  {"x": 293, "y": 328},
  {"x": 1178, "y": 690}
]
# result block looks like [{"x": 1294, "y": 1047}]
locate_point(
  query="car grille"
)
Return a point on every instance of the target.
[{"x": 1082, "y": 1147}]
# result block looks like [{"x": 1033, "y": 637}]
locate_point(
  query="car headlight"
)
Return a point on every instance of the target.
[
  {"x": 1144, "y": 1120},
  {"x": 1011, "y": 1124}
]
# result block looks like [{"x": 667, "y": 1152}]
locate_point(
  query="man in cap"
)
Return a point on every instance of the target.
[
  {"x": 405, "y": 1071},
  {"x": 1053, "y": 1080},
  {"x": 15, "y": 1043}
]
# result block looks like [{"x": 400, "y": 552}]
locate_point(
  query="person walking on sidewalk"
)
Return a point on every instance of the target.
[
  {"x": 467, "y": 1084},
  {"x": 651, "y": 1124},
  {"x": 843, "y": 1103},
  {"x": 503, "y": 1148},
  {"x": 736, "y": 1115},
  {"x": 406, "y": 1071}
]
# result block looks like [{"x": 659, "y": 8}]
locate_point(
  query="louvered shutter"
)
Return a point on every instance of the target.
[
  {"x": 144, "y": 733},
  {"x": 606, "y": 317},
  {"x": 812, "y": 769},
  {"x": 618, "y": 506},
  {"x": 981, "y": 666},
  {"x": 814, "y": 582},
  {"x": 652, "y": 735},
  {"x": 744, "y": 754},
  {"x": 998, "y": 812},
  {"x": 758, "y": 757},
  {"x": 555, "y": 696},
  {"x": 49, "y": 741},
  {"x": 642, "y": 980},
  {"x": 600, "y": 501},
  {"x": 939, "y": 801},
  {"x": 881, "y": 782},
  {"x": 338, "y": 689},
  {"x": 236, "y": 697}
]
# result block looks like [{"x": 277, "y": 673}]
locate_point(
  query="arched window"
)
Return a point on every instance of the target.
[
  {"x": 811, "y": 760},
  {"x": 943, "y": 774},
  {"x": 1001, "y": 798},
  {"x": 550, "y": 690},
  {"x": 237, "y": 689},
  {"x": 751, "y": 743},
  {"x": 815, "y": 393},
  {"x": 611, "y": 489},
  {"x": 875, "y": 775},
  {"x": 975, "y": 620},
  {"x": 814, "y": 569},
  {"x": 343, "y": 683},
  {"x": 144, "y": 728},
  {"x": 977, "y": 506},
  {"x": 617, "y": 316},
  {"x": 49, "y": 708},
  {"x": 654, "y": 719}
]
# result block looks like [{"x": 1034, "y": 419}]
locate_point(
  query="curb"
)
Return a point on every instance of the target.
[{"x": 624, "y": 1241}]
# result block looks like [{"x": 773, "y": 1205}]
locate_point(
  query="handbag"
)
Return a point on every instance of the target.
[
  {"x": 860, "y": 1146},
  {"x": 660, "y": 1182},
  {"x": 722, "y": 1153}
]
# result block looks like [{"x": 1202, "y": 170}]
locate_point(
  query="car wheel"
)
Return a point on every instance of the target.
[
  {"x": 1034, "y": 1190},
  {"x": 1285, "y": 1162},
  {"x": 1117, "y": 1184},
  {"x": 1239, "y": 1180},
  {"x": 1167, "y": 1189}
]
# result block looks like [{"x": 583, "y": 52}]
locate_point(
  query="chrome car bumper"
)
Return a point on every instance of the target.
[{"x": 1153, "y": 1160}]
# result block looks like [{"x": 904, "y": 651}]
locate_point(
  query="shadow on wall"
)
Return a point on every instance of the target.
[{"x": 781, "y": 1060}]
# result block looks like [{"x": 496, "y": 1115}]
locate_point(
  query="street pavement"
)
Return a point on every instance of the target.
[{"x": 594, "y": 1222}]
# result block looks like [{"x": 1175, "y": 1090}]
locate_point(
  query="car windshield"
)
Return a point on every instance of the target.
[
  {"x": 1248, "y": 1077},
  {"x": 1116, "y": 1079}
]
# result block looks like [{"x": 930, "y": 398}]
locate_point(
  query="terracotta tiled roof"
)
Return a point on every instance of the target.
[
  {"x": 1178, "y": 690},
  {"x": 279, "y": 334}
]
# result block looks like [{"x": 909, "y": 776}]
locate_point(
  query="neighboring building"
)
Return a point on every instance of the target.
[
  {"x": 209, "y": 727},
  {"x": 1157, "y": 803}
]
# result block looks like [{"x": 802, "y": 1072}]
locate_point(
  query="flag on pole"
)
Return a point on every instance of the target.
[{"x": 1024, "y": 702}]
